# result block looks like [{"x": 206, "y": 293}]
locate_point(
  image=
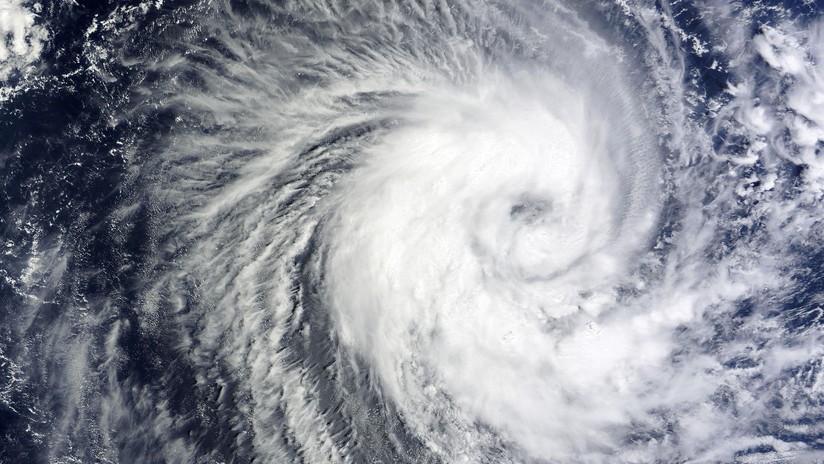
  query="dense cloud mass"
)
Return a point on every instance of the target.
[{"x": 375, "y": 231}]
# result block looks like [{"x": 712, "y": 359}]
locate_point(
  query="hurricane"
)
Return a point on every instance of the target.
[{"x": 423, "y": 231}]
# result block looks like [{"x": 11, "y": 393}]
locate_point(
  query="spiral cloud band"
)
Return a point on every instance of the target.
[
  {"x": 470, "y": 246},
  {"x": 469, "y": 231}
]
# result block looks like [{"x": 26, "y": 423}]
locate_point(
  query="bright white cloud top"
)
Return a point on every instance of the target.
[{"x": 417, "y": 232}]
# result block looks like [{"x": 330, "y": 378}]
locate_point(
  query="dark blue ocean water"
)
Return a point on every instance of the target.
[{"x": 72, "y": 197}]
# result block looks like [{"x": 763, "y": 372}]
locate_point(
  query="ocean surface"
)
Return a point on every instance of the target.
[{"x": 423, "y": 231}]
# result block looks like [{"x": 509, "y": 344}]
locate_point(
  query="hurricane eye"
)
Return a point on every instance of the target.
[
  {"x": 530, "y": 211},
  {"x": 411, "y": 231}
]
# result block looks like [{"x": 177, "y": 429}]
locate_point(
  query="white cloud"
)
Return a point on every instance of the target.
[{"x": 22, "y": 38}]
